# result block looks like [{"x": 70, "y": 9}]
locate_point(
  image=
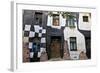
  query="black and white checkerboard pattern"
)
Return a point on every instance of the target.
[{"x": 29, "y": 33}]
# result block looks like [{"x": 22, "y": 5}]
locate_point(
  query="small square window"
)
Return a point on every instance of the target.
[{"x": 85, "y": 19}]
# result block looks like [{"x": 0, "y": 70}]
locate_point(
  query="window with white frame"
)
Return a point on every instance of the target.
[
  {"x": 85, "y": 19},
  {"x": 55, "y": 20}
]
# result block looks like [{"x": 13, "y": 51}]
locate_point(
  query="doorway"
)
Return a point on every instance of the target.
[
  {"x": 55, "y": 46},
  {"x": 88, "y": 47}
]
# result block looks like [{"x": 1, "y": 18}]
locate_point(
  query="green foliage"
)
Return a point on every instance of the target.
[
  {"x": 68, "y": 15},
  {"x": 50, "y": 13}
]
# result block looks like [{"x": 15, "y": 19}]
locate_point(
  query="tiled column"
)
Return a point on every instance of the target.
[
  {"x": 26, "y": 57},
  {"x": 66, "y": 53},
  {"x": 82, "y": 56}
]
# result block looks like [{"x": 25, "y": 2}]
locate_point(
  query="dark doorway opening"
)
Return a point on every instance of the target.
[
  {"x": 88, "y": 47},
  {"x": 55, "y": 47}
]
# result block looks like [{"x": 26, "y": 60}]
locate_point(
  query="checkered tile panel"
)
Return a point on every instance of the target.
[{"x": 30, "y": 31}]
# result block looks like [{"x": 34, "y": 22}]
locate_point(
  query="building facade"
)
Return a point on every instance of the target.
[{"x": 53, "y": 35}]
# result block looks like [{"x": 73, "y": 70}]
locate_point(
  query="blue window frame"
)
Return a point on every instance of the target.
[{"x": 36, "y": 47}]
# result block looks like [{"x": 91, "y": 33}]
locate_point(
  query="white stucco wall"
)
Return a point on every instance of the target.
[
  {"x": 75, "y": 33},
  {"x": 80, "y": 40},
  {"x": 70, "y": 32},
  {"x": 84, "y": 25},
  {"x": 49, "y": 21}
]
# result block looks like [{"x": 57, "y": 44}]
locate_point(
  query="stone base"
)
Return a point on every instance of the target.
[
  {"x": 56, "y": 59},
  {"x": 82, "y": 56},
  {"x": 43, "y": 56},
  {"x": 26, "y": 57},
  {"x": 66, "y": 56}
]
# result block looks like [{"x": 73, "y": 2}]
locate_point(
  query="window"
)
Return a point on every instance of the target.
[
  {"x": 38, "y": 18},
  {"x": 73, "y": 45},
  {"x": 85, "y": 19},
  {"x": 55, "y": 20},
  {"x": 71, "y": 23},
  {"x": 36, "y": 47}
]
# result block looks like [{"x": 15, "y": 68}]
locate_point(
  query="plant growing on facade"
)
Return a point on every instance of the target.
[
  {"x": 70, "y": 17},
  {"x": 50, "y": 14}
]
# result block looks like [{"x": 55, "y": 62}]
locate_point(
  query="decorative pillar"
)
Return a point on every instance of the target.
[
  {"x": 66, "y": 53},
  {"x": 26, "y": 57},
  {"x": 83, "y": 56}
]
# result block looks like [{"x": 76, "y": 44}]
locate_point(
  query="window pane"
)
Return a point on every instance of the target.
[
  {"x": 73, "y": 45},
  {"x": 38, "y": 18},
  {"x": 71, "y": 22},
  {"x": 85, "y": 19},
  {"x": 56, "y": 20}
]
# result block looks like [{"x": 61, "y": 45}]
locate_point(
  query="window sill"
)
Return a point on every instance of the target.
[
  {"x": 72, "y": 26},
  {"x": 57, "y": 27},
  {"x": 73, "y": 50}
]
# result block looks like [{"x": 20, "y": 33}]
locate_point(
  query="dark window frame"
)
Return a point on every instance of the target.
[
  {"x": 85, "y": 18},
  {"x": 73, "y": 44},
  {"x": 71, "y": 22},
  {"x": 38, "y": 21}
]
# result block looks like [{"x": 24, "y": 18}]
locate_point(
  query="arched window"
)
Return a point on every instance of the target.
[{"x": 36, "y": 45}]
